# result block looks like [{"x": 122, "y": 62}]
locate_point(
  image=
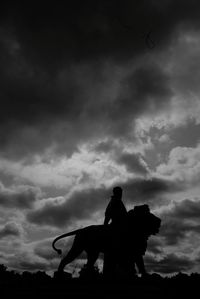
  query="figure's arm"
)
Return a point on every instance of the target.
[
  {"x": 106, "y": 220},
  {"x": 140, "y": 264},
  {"x": 107, "y": 215}
]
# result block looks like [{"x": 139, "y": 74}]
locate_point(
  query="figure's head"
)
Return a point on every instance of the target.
[{"x": 117, "y": 192}]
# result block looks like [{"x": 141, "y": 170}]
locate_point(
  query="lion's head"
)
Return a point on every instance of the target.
[{"x": 143, "y": 220}]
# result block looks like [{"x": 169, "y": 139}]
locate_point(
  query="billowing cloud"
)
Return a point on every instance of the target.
[
  {"x": 183, "y": 165},
  {"x": 81, "y": 205},
  {"x": 18, "y": 197}
]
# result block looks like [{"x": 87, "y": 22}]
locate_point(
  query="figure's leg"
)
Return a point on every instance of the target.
[
  {"x": 114, "y": 255},
  {"x": 133, "y": 269},
  {"x": 140, "y": 264},
  {"x": 109, "y": 265},
  {"x": 105, "y": 264},
  {"x": 92, "y": 257},
  {"x": 126, "y": 267}
]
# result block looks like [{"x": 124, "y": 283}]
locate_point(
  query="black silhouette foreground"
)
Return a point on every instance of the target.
[
  {"x": 121, "y": 256},
  {"x": 40, "y": 285}
]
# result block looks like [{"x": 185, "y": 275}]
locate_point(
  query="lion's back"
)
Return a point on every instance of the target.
[{"x": 92, "y": 237}]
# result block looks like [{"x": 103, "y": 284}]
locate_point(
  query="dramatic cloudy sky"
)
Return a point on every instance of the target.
[{"x": 95, "y": 94}]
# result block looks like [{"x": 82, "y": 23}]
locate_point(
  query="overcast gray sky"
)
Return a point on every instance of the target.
[{"x": 95, "y": 94}]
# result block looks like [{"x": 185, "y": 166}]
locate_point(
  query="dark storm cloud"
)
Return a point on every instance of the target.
[
  {"x": 83, "y": 204},
  {"x": 155, "y": 246},
  {"x": 26, "y": 261},
  {"x": 86, "y": 30},
  {"x": 10, "y": 229},
  {"x": 144, "y": 88},
  {"x": 105, "y": 146},
  {"x": 39, "y": 43},
  {"x": 181, "y": 220},
  {"x": 169, "y": 264},
  {"x": 38, "y": 110},
  {"x": 44, "y": 250},
  {"x": 149, "y": 190},
  {"x": 19, "y": 197},
  {"x": 187, "y": 209},
  {"x": 94, "y": 30},
  {"x": 133, "y": 163},
  {"x": 175, "y": 230}
]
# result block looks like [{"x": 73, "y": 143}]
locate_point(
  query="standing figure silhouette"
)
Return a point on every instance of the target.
[
  {"x": 116, "y": 215},
  {"x": 116, "y": 211}
]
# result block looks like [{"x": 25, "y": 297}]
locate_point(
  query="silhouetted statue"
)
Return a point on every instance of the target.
[
  {"x": 98, "y": 238},
  {"x": 132, "y": 244}
]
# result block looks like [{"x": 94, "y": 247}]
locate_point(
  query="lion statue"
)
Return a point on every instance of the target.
[{"x": 130, "y": 245}]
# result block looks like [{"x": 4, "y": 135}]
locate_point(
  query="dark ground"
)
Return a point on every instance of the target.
[{"x": 39, "y": 285}]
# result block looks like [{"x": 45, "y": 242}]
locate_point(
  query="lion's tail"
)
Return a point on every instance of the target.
[{"x": 59, "y": 251}]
